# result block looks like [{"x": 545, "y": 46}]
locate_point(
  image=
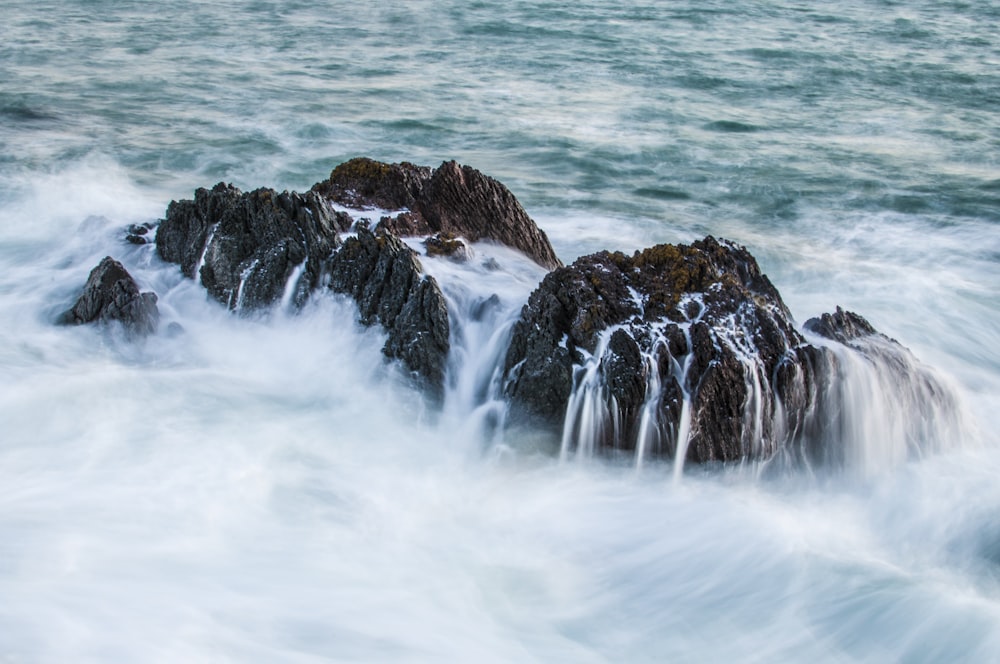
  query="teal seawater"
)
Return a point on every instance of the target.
[
  {"x": 264, "y": 491},
  {"x": 755, "y": 108}
]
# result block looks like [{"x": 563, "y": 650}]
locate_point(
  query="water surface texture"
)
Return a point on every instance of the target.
[{"x": 261, "y": 490}]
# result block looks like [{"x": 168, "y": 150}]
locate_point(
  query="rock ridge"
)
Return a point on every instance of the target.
[{"x": 452, "y": 199}]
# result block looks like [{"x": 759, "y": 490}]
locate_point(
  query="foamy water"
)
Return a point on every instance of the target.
[{"x": 270, "y": 489}]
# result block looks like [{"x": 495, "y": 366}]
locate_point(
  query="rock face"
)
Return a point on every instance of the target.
[
  {"x": 251, "y": 250},
  {"x": 245, "y": 247},
  {"x": 385, "y": 278},
  {"x": 689, "y": 350},
  {"x": 111, "y": 294},
  {"x": 452, "y": 199},
  {"x": 675, "y": 351},
  {"x": 633, "y": 338}
]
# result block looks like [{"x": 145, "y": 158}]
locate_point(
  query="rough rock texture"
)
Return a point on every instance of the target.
[
  {"x": 689, "y": 349},
  {"x": 385, "y": 278},
  {"x": 246, "y": 246},
  {"x": 363, "y": 182},
  {"x": 702, "y": 318},
  {"x": 111, "y": 294},
  {"x": 842, "y": 326},
  {"x": 453, "y": 199},
  {"x": 446, "y": 244}
]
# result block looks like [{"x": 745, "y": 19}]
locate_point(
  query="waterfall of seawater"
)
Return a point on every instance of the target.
[
  {"x": 485, "y": 294},
  {"x": 874, "y": 406},
  {"x": 869, "y": 407},
  {"x": 878, "y": 407}
]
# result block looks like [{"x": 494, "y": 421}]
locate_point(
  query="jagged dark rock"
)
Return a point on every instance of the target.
[
  {"x": 245, "y": 246},
  {"x": 698, "y": 325},
  {"x": 453, "y": 199},
  {"x": 707, "y": 318},
  {"x": 385, "y": 278},
  {"x": 111, "y": 294},
  {"x": 842, "y": 326}
]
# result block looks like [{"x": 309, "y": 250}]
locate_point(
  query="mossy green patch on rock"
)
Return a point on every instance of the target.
[
  {"x": 360, "y": 168},
  {"x": 363, "y": 183}
]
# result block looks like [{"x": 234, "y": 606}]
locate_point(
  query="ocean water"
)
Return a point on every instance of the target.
[{"x": 271, "y": 490}]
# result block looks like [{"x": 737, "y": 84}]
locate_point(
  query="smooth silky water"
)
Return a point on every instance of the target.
[{"x": 269, "y": 489}]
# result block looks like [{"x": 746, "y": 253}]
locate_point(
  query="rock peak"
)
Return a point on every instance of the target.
[{"x": 454, "y": 199}]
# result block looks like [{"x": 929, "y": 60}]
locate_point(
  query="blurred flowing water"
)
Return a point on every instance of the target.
[{"x": 271, "y": 490}]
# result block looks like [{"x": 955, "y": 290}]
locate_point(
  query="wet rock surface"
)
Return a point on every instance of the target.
[
  {"x": 112, "y": 295},
  {"x": 244, "y": 247},
  {"x": 453, "y": 199},
  {"x": 689, "y": 350},
  {"x": 842, "y": 326},
  {"x": 676, "y": 350},
  {"x": 385, "y": 278},
  {"x": 699, "y": 320}
]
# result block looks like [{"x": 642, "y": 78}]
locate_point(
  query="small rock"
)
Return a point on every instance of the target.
[
  {"x": 446, "y": 244},
  {"x": 111, "y": 294}
]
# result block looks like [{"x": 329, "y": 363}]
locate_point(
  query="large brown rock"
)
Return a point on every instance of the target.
[{"x": 452, "y": 199}]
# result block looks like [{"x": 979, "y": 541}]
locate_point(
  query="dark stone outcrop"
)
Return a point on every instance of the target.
[
  {"x": 246, "y": 246},
  {"x": 112, "y": 295},
  {"x": 385, "y": 278},
  {"x": 842, "y": 326},
  {"x": 453, "y": 199},
  {"x": 701, "y": 325},
  {"x": 710, "y": 323}
]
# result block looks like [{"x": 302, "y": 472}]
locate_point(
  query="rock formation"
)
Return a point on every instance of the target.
[
  {"x": 385, "y": 278},
  {"x": 244, "y": 247},
  {"x": 669, "y": 324},
  {"x": 452, "y": 199},
  {"x": 681, "y": 350},
  {"x": 112, "y": 295},
  {"x": 842, "y": 326},
  {"x": 676, "y": 350}
]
